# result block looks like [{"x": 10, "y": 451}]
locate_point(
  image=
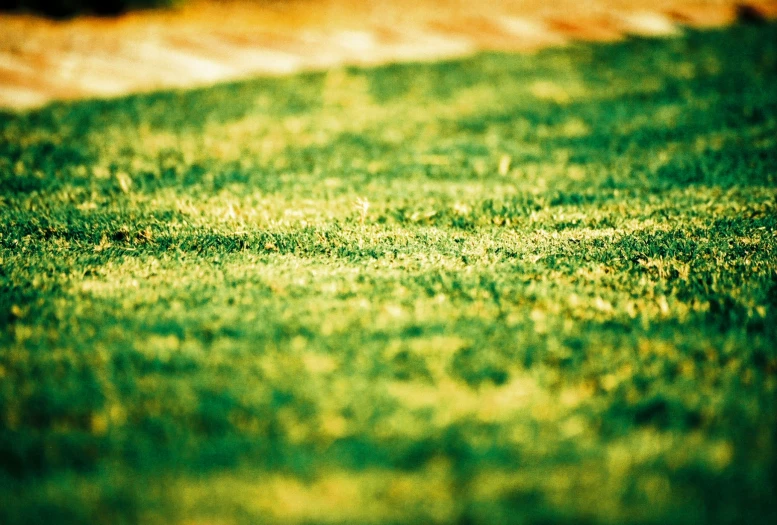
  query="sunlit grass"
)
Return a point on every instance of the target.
[{"x": 508, "y": 289}]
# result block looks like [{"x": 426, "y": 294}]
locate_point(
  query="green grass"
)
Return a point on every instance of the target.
[{"x": 507, "y": 289}]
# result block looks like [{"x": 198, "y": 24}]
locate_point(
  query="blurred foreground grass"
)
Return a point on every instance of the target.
[{"x": 509, "y": 289}]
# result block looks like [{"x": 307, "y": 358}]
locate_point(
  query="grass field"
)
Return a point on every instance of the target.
[{"x": 507, "y": 289}]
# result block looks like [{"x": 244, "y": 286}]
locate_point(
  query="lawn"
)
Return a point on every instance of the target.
[{"x": 505, "y": 289}]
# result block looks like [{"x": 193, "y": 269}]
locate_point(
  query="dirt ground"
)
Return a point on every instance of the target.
[{"x": 201, "y": 42}]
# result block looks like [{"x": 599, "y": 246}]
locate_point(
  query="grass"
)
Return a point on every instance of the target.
[{"x": 507, "y": 289}]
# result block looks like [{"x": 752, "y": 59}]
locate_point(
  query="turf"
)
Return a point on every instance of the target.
[{"x": 507, "y": 289}]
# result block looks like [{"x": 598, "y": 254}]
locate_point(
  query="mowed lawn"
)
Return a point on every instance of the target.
[{"x": 506, "y": 289}]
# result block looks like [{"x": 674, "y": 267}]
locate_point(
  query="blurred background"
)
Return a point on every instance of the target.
[
  {"x": 70, "y": 49},
  {"x": 68, "y": 8}
]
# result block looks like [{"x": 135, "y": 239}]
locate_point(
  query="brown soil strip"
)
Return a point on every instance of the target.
[{"x": 202, "y": 43}]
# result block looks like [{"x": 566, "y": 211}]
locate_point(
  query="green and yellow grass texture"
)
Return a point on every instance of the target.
[{"x": 507, "y": 289}]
